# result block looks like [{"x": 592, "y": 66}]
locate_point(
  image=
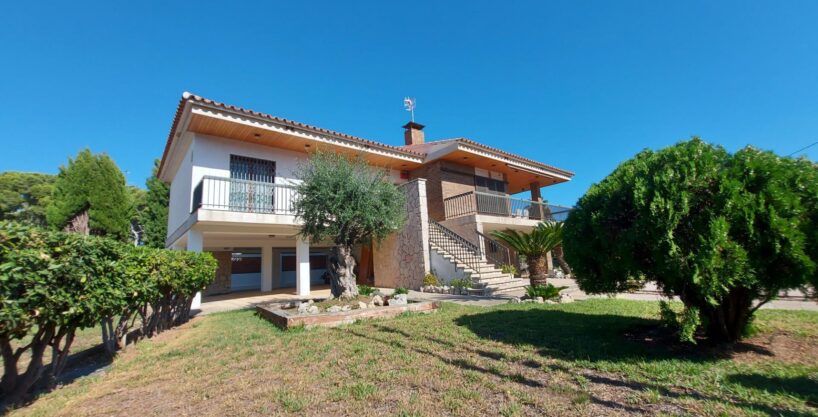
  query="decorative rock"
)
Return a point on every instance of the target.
[
  {"x": 362, "y": 305},
  {"x": 398, "y": 300},
  {"x": 346, "y": 308},
  {"x": 515, "y": 300},
  {"x": 377, "y": 300},
  {"x": 539, "y": 300},
  {"x": 565, "y": 298},
  {"x": 550, "y": 302},
  {"x": 303, "y": 307},
  {"x": 313, "y": 310},
  {"x": 334, "y": 309}
]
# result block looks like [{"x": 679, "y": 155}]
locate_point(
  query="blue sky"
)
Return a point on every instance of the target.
[{"x": 578, "y": 84}]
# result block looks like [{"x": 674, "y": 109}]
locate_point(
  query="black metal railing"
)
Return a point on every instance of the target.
[
  {"x": 502, "y": 256},
  {"x": 478, "y": 202},
  {"x": 494, "y": 251},
  {"x": 229, "y": 194},
  {"x": 455, "y": 245}
]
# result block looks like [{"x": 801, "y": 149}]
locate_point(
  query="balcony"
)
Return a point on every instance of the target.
[
  {"x": 228, "y": 194},
  {"x": 477, "y": 202}
]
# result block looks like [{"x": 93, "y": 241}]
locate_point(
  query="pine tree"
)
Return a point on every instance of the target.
[
  {"x": 24, "y": 196},
  {"x": 93, "y": 184},
  {"x": 154, "y": 216}
]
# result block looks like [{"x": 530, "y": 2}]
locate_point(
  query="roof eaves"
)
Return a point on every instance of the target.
[{"x": 508, "y": 154}]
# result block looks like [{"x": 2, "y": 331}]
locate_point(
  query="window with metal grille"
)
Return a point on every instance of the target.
[
  {"x": 249, "y": 190},
  {"x": 252, "y": 169}
]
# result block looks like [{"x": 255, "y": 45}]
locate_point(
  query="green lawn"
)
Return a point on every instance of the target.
[{"x": 595, "y": 357}]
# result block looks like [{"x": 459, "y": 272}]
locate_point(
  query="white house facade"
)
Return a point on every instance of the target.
[{"x": 232, "y": 171}]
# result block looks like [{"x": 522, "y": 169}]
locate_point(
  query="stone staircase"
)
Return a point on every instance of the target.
[{"x": 487, "y": 278}]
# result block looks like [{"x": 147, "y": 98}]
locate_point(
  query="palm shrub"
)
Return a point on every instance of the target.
[
  {"x": 347, "y": 202},
  {"x": 547, "y": 291},
  {"x": 535, "y": 246},
  {"x": 723, "y": 232}
]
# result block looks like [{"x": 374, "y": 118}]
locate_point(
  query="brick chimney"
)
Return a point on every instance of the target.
[{"x": 413, "y": 134}]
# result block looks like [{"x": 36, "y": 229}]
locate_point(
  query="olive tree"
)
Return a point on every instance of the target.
[
  {"x": 723, "y": 232},
  {"x": 347, "y": 202}
]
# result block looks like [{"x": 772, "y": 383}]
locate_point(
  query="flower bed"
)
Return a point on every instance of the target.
[{"x": 333, "y": 312}]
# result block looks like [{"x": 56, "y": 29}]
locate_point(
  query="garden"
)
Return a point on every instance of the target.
[
  {"x": 722, "y": 233},
  {"x": 595, "y": 357}
]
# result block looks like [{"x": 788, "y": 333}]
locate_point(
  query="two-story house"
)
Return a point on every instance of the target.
[{"x": 232, "y": 170}]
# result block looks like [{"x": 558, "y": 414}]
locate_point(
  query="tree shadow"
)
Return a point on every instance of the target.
[
  {"x": 78, "y": 365},
  {"x": 800, "y": 387},
  {"x": 592, "y": 337}
]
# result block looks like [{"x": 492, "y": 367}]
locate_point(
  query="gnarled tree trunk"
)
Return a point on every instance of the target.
[
  {"x": 341, "y": 269},
  {"x": 537, "y": 270},
  {"x": 727, "y": 321}
]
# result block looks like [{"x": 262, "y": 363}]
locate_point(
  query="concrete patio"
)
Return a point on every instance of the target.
[
  {"x": 249, "y": 299},
  {"x": 794, "y": 300}
]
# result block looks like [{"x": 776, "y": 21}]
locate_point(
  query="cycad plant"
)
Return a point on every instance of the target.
[{"x": 535, "y": 246}]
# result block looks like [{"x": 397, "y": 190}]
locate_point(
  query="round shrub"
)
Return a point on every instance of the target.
[{"x": 724, "y": 232}]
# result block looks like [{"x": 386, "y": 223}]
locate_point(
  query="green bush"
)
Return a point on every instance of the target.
[
  {"x": 461, "y": 283},
  {"x": 401, "y": 290},
  {"x": 365, "y": 290},
  {"x": 509, "y": 269},
  {"x": 431, "y": 280},
  {"x": 54, "y": 283},
  {"x": 723, "y": 232},
  {"x": 547, "y": 291}
]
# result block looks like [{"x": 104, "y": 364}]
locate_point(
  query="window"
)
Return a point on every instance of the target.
[
  {"x": 251, "y": 192},
  {"x": 252, "y": 169},
  {"x": 489, "y": 185}
]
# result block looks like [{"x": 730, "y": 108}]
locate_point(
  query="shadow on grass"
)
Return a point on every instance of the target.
[
  {"x": 800, "y": 387},
  {"x": 593, "y": 337},
  {"x": 573, "y": 336},
  {"x": 78, "y": 365},
  {"x": 569, "y": 335}
]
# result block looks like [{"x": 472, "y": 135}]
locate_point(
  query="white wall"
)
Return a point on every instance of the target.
[
  {"x": 444, "y": 269},
  {"x": 181, "y": 191},
  {"x": 210, "y": 155}
]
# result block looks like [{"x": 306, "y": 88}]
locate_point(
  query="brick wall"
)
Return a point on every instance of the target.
[{"x": 443, "y": 180}]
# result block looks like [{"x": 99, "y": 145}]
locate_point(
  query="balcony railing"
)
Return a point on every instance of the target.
[
  {"x": 228, "y": 194},
  {"x": 477, "y": 202}
]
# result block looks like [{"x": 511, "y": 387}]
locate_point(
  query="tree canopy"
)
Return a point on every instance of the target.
[
  {"x": 93, "y": 183},
  {"x": 724, "y": 232},
  {"x": 347, "y": 202},
  {"x": 154, "y": 215},
  {"x": 24, "y": 196}
]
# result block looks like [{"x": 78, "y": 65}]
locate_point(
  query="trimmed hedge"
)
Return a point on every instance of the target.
[{"x": 53, "y": 283}]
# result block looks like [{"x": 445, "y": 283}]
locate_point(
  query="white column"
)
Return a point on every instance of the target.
[
  {"x": 266, "y": 268},
  {"x": 302, "y": 266},
  {"x": 195, "y": 243}
]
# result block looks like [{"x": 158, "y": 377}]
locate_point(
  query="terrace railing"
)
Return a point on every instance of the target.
[
  {"x": 477, "y": 202},
  {"x": 229, "y": 194}
]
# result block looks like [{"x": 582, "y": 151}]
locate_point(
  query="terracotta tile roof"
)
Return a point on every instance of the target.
[
  {"x": 189, "y": 97},
  {"x": 467, "y": 141},
  {"x": 410, "y": 150}
]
